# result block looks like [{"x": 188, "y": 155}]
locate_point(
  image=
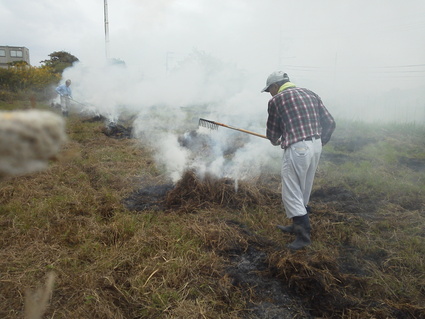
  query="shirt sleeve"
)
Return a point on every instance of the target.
[
  {"x": 274, "y": 130},
  {"x": 327, "y": 123}
]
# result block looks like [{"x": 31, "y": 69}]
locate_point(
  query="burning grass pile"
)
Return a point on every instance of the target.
[
  {"x": 192, "y": 193},
  {"x": 117, "y": 131}
]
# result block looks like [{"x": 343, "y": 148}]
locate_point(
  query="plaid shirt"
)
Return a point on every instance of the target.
[{"x": 296, "y": 114}]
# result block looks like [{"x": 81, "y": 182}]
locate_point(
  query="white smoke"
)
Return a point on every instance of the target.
[{"x": 169, "y": 105}]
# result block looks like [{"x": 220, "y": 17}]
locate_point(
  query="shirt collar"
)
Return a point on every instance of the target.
[{"x": 285, "y": 86}]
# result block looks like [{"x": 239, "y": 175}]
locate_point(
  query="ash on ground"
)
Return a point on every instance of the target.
[
  {"x": 270, "y": 297},
  {"x": 151, "y": 197},
  {"x": 118, "y": 131},
  {"x": 247, "y": 269}
]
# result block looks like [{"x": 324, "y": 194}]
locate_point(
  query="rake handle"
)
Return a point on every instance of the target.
[
  {"x": 239, "y": 129},
  {"x": 77, "y": 102}
]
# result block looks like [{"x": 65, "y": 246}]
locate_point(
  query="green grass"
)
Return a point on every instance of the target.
[{"x": 378, "y": 160}]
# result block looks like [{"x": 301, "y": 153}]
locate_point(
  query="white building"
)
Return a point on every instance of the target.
[{"x": 13, "y": 54}]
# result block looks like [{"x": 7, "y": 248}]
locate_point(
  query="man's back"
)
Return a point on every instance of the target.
[
  {"x": 63, "y": 90},
  {"x": 296, "y": 114}
]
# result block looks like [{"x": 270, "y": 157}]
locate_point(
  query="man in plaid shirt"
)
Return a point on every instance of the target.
[{"x": 300, "y": 123}]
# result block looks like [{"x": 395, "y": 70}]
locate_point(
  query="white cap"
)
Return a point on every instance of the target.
[{"x": 275, "y": 77}]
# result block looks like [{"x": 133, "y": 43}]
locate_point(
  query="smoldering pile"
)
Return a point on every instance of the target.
[
  {"x": 192, "y": 193},
  {"x": 28, "y": 140},
  {"x": 118, "y": 131}
]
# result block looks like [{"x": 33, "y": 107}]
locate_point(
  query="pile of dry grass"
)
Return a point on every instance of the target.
[{"x": 193, "y": 193}]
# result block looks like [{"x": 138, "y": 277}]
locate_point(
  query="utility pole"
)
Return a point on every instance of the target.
[{"x": 106, "y": 28}]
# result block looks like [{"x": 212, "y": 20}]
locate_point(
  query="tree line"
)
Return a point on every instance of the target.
[{"x": 21, "y": 80}]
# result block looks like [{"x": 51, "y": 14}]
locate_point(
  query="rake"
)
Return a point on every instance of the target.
[
  {"x": 214, "y": 126},
  {"x": 77, "y": 102}
]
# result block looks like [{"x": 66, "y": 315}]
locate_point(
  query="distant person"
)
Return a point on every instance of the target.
[
  {"x": 300, "y": 124},
  {"x": 65, "y": 93}
]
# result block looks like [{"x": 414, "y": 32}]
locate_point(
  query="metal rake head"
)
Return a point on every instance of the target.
[{"x": 208, "y": 124}]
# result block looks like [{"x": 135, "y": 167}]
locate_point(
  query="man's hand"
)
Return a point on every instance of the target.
[{"x": 276, "y": 143}]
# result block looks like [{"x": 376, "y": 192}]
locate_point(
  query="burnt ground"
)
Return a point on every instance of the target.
[
  {"x": 345, "y": 200},
  {"x": 112, "y": 129},
  {"x": 250, "y": 271},
  {"x": 248, "y": 267},
  {"x": 252, "y": 268},
  {"x": 416, "y": 164},
  {"x": 117, "y": 131},
  {"x": 151, "y": 197},
  {"x": 277, "y": 283}
]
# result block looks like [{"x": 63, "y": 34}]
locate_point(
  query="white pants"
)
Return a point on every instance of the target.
[
  {"x": 299, "y": 164},
  {"x": 64, "y": 103}
]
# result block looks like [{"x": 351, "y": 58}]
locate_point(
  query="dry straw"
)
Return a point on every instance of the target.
[{"x": 192, "y": 193}]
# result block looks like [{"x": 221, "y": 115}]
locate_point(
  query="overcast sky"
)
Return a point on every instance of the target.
[{"x": 341, "y": 49}]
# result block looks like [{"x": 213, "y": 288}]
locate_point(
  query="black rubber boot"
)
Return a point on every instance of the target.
[
  {"x": 290, "y": 228},
  {"x": 302, "y": 230},
  {"x": 286, "y": 229}
]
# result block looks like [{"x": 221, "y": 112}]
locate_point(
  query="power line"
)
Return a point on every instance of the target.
[
  {"x": 400, "y": 71},
  {"x": 383, "y": 68},
  {"x": 401, "y": 66}
]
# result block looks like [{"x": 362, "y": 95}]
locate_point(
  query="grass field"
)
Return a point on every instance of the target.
[{"x": 122, "y": 243}]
